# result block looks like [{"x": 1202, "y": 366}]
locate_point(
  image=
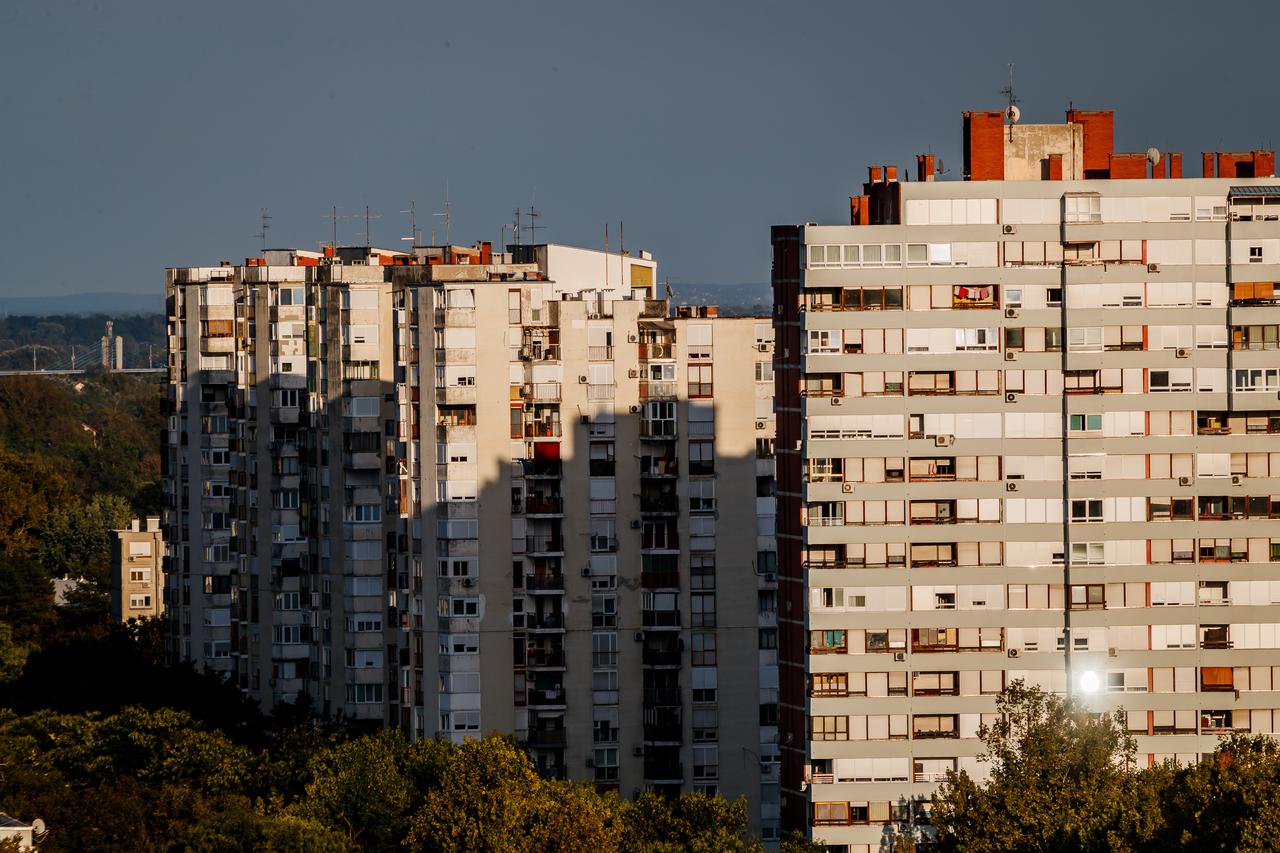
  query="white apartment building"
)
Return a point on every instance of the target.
[
  {"x": 1027, "y": 427},
  {"x": 137, "y": 570},
  {"x": 459, "y": 492}
]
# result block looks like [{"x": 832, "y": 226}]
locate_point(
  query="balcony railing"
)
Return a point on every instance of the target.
[
  {"x": 662, "y": 696},
  {"x": 534, "y": 544},
  {"x": 539, "y": 505},
  {"x": 544, "y": 583}
]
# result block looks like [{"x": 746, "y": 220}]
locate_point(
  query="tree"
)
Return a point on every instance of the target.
[
  {"x": 30, "y": 488},
  {"x": 361, "y": 788},
  {"x": 693, "y": 822},
  {"x": 1230, "y": 802},
  {"x": 75, "y": 541},
  {"x": 1061, "y": 778},
  {"x": 485, "y": 801},
  {"x": 13, "y": 654}
]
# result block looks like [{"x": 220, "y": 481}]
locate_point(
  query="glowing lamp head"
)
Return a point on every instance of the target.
[{"x": 1089, "y": 682}]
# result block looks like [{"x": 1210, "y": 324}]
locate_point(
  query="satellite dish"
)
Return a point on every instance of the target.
[
  {"x": 1153, "y": 156},
  {"x": 1013, "y": 114},
  {"x": 38, "y": 826}
]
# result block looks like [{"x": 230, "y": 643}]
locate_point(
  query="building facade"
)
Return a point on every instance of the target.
[
  {"x": 137, "y": 570},
  {"x": 458, "y": 492},
  {"x": 1026, "y": 425}
]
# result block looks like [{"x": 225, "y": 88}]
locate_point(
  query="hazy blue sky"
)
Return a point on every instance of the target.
[{"x": 139, "y": 135}]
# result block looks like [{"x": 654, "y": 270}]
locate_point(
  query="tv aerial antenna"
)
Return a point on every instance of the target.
[
  {"x": 445, "y": 216},
  {"x": 368, "y": 217},
  {"x": 263, "y": 228},
  {"x": 415, "y": 233},
  {"x": 533, "y": 218},
  {"x": 1011, "y": 112},
  {"x": 333, "y": 217}
]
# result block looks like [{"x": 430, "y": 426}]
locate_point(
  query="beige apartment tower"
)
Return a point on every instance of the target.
[
  {"x": 1026, "y": 430},
  {"x": 137, "y": 570},
  {"x": 459, "y": 491}
]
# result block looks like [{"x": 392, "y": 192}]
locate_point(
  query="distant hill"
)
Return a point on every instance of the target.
[
  {"x": 116, "y": 304},
  {"x": 732, "y": 299}
]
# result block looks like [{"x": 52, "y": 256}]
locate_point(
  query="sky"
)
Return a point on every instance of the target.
[{"x": 140, "y": 135}]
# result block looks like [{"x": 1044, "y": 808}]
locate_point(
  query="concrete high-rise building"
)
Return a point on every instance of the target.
[
  {"x": 458, "y": 491},
  {"x": 137, "y": 570},
  {"x": 1026, "y": 430}
]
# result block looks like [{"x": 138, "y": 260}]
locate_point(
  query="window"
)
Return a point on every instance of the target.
[
  {"x": 706, "y": 762},
  {"x": 829, "y": 728},
  {"x": 829, "y": 684},
  {"x": 699, "y": 380},
  {"x": 1086, "y": 510},
  {"x": 364, "y": 694},
  {"x": 1082, "y": 208},
  {"x": 702, "y": 610},
  {"x": 702, "y": 495},
  {"x": 1086, "y": 423},
  {"x": 1255, "y": 254},
  {"x": 701, "y": 458},
  {"x": 139, "y": 602},
  {"x": 822, "y": 642},
  {"x": 764, "y": 371},
  {"x": 703, "y": 649},
  {"x": 363, "y": 513},
  {"x": 359, "y": 623},
  {"x": 605, "y": 761}
]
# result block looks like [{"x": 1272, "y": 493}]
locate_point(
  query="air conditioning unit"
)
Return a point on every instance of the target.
[
  {"x": 1011, "y": 397},
  {"x": 770, "y": 577},
  {"x": 1153, "y": 268},
  {"x": 633, "y": 374},
  {"x": 585, "y": 420},
  {"x": 1013, "y": 653},
  {"x": 762, "y": 347},
  {"x": 899, "y": 657},
  {"x": 637, "y": 751},
  {"x": 586, "y": 571},
  {"x": 760, "y": 424},
  {"x": 1184, "y": 481},
  {"x": 1182, "y": 352},
  {"x": 582, "y": 380},
  {"x": 1008, "y": 229},
  {"x": 837, "y": 401},
  {"x": 631, "y": 339},
  {"x": 635, "y": 410},
  {"x": 1011, "y": 355},
  {"x": 635, "y": 525},
  {"x": 847, "y": 488},
  {"x": 468, "y": 582},
  {"x": 639, "y": 636},
  {"x": 1011, "y": 313},
  {"x": 944, "y": 440},
  {"x": 1011, "y": 487},
  {"x": 1112, "y": 652},
  {"x": 1237, "y": 480}
]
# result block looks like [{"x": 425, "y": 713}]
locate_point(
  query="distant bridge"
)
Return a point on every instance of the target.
[{"x": 54, "y": 361}]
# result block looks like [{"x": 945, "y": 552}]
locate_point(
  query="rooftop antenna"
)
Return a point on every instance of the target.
[
  {"x": 1011, "y": 113},
  {"x": 262, "y": 233},
  {"x": 415, "y": 233},
  {"x": 533, "y": 218},
  {"x": 368, "y": 236},
  {"x": 516, "y": 226},
  {"x": 334, "y": 217},
  {"x": 606, "y": 256},
  {"x": 445, "y": 215}
]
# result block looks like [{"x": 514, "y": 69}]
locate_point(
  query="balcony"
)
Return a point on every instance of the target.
[
  {"x": 658, "y": 390},
  {"x": 653, "y": 350},
  {"x": 541, "y": 392},
  {"x": 542, "y": 467},
  {"x": 544, "y": 583},
  {"x": 544, "y": 505},
  {"x": 543, "y": 697},
  {"x": 600, "y": 353},
  {"x": 549, "y": 659},
  {"x": 660, "y": 468},
  {"x": 660, "y": 618},
  {"x": 663, "y": 430},
  {"x": 545, "y": 622},
  {"x": 547, "y": 738},
  {"x": 544, "y": 544},
  {"x": 660, "y": 580},
  {"x": 542, "y": 429},
  {"x": 662, "y": 697},
  {"x": 661, "y": 657},
  {"x": 667, "y": 734},
  {"x": 660, "y": 504}
]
